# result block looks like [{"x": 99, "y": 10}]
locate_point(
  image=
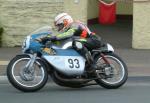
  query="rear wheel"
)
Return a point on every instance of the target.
[
  {"x": 24, "y": 79},
  {"x": 113, "y": 75}
]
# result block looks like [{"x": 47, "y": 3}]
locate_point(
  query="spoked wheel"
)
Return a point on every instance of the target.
[
  {"x": 113, "y": 75},
  {"x": 24, "y": 79}
]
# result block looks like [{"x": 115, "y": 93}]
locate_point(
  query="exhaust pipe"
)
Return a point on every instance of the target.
[{"x": 80, "y": 81}]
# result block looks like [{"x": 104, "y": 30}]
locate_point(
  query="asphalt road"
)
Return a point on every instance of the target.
[{"x": 136, "y": 90}]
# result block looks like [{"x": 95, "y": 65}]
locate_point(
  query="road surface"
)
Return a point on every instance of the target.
[{"x": 136, "y": 90}]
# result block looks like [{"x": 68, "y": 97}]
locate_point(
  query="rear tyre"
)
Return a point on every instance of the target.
[
  {"x": 117, "y": 74},
  {"x": 34, "y": 81}
]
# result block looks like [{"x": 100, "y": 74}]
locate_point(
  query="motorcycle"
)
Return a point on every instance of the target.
[{"x": 29, "y": 71}]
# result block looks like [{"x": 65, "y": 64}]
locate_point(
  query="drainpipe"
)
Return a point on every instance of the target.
[{"x": 1, "y": 32}]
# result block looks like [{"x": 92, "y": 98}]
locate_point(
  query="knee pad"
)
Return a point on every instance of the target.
[{"x": 77, "y": 45}]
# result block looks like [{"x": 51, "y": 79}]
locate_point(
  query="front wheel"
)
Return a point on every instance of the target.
[
  {"x": 112, "y": 75},
  {"x": 22, "y": 78}
]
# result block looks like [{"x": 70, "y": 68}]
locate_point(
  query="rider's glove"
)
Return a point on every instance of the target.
[
  {"x": 53, "y": 38},
  {"x": 45, "y": 39}
]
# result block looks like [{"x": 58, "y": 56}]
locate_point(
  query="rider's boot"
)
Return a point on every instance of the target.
[{"x": 91, "y": 63}]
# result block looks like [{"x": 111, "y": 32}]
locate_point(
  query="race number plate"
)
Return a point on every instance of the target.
[
  {"x": 70, "y": 65},
  {"x": 73, "y": 63}
]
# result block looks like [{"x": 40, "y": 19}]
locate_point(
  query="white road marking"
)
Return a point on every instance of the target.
[{"x": 3, "y": 63}]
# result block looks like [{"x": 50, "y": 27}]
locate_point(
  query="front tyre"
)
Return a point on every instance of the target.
[
  {"x": 114, "y": 75},
  {"x": 24, "y": 80}
]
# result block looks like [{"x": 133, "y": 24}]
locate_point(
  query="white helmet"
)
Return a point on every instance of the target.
[{"x": 63, "y": 21}]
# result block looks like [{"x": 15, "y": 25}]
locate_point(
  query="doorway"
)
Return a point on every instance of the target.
[{"x": 118, "y": 34}]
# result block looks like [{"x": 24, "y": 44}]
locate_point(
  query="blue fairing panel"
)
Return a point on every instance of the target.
[{"x": 35, "y": 46}]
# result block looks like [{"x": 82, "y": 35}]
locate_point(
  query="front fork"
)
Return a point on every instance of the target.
[
  {"x": 31, "y": 62},
  {"x": 27, "y": 72}
]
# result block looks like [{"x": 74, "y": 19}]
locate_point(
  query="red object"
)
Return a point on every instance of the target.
[
  {"x": 84, "y": 34},
  {"x": 107, "y": 12}
]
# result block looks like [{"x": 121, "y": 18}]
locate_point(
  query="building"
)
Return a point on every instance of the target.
[{"x": 20, "y": 17}]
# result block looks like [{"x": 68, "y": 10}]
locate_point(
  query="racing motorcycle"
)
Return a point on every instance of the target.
[{"x": 29, "y": 71}]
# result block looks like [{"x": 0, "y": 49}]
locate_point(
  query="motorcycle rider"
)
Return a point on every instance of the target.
[{"x": 69, "y": 28}]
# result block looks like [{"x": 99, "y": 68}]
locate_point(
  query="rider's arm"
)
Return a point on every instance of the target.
[{"x": 64, "y": 35}]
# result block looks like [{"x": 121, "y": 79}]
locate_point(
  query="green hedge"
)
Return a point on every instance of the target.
[{"x": 1, "y": 32}]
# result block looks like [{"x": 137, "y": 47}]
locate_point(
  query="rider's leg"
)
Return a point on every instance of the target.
[
  {"x": 86, "y": 54},
  {"x": 93, "y": 43}
]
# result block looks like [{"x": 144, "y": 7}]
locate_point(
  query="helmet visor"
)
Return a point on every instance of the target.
[{"x": 59, "y": 27}]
